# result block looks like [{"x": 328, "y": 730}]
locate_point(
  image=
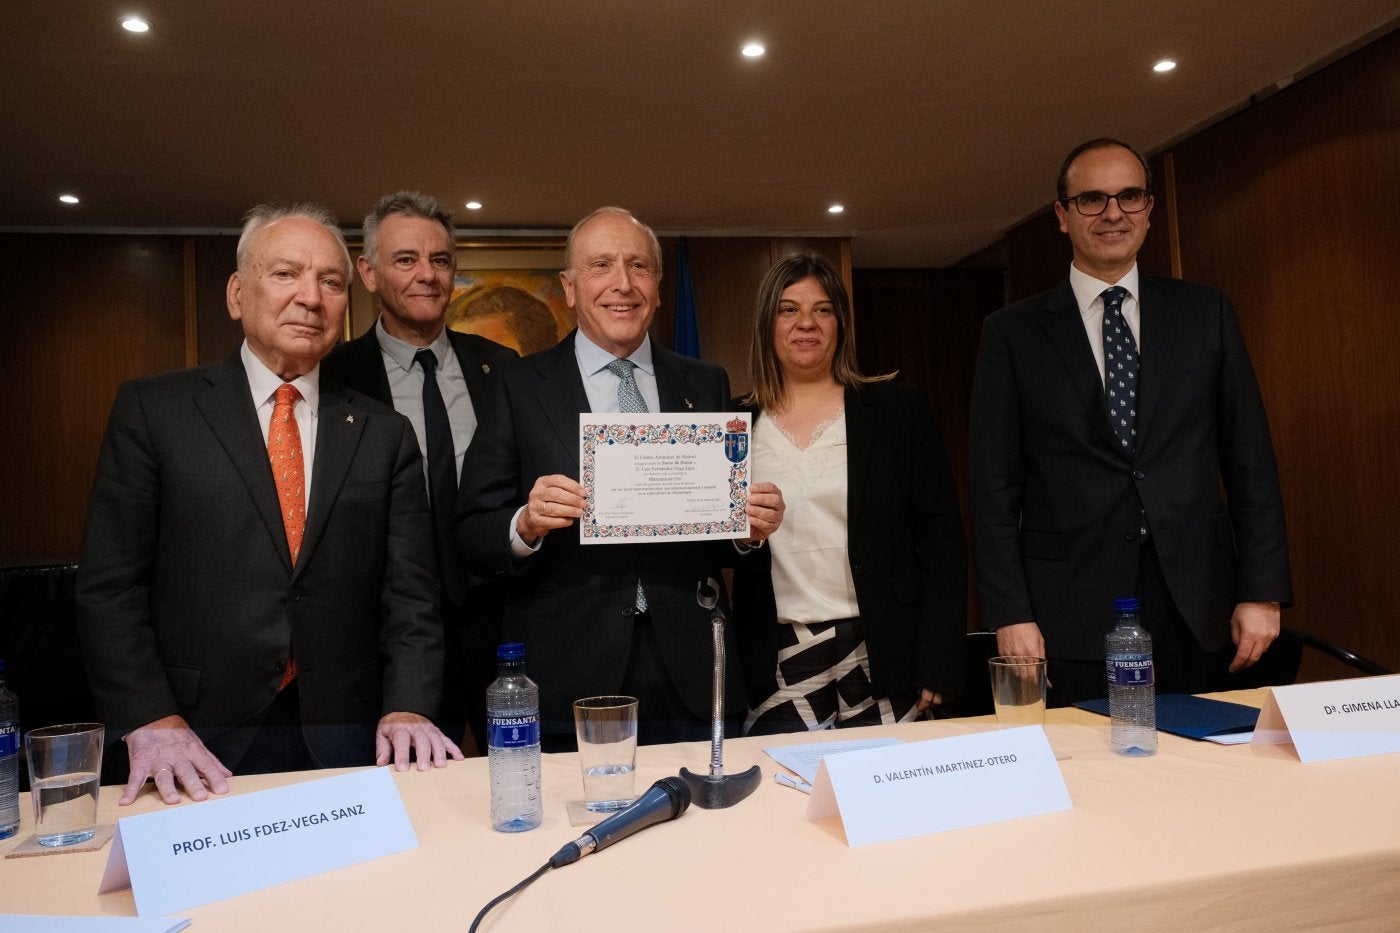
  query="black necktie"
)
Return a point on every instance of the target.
[
  {"x": 442, "y": 478},
  {"x": 1120, "y": 363}
]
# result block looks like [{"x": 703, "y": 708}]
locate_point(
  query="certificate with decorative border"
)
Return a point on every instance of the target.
[{"x": 681, "y": 476}]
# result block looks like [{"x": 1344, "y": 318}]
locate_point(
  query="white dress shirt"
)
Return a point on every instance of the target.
[{"x": 600, "y": 383}]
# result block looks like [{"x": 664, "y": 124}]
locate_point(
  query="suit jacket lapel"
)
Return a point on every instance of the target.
[
  {"x": 227, "y": 406},
  {"x": 339, "y": 425},
  {"x": 471, "y": 364},
  {"x": 860, "y": 441},
  {"x": 366, "y": 357},
  {"x": 674, "y": 390},
  {"x": 1065, "y": 328},
  {"x": 560, "y": 392},
  {"x": 1158, "y": 326}
]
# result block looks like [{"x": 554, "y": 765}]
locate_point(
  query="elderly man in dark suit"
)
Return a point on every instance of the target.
[
  {"x": 256, "y": 590},
  {"x": 614, "y": 618},
  {"x": 441, "y": 380},
  {"x": 1098, "y": 475}
]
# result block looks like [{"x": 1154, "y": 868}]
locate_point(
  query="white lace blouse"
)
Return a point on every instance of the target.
[{"x": 811, "y": 560}]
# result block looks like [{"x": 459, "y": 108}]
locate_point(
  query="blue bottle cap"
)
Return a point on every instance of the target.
[
  {"x": 510, "y": 651},
  {"x": 1125, "y": 604}
]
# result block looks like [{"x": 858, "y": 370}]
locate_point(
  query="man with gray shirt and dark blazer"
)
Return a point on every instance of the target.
[{"x": 442, "y": 381}]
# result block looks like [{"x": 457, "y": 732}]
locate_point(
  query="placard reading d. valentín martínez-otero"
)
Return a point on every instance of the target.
[{"x": 918, "y": 788}]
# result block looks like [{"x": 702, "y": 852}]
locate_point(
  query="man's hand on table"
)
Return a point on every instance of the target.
[
  {"x": 169, "y": 753},
  {"x": 400, "y": 733}
]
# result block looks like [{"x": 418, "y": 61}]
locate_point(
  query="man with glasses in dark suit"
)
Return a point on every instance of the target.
[{"x": 1097, "y": 474}]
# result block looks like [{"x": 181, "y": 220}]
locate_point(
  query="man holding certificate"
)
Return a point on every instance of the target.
[{"x": 618, "y": 618}]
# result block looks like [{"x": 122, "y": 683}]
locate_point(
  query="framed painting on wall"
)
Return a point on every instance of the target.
[
  {"x": 506, "y": 290},
  {"x": 510, "y": 292}
]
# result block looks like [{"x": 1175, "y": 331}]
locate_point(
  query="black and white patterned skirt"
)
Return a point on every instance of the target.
[{"x": 824, "y": 683}]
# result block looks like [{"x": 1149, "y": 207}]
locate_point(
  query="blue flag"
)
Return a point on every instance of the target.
[{"x": 686, "y": 339}]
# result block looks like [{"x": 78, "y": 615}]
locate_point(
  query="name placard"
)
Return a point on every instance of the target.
[
  {"x": 198, "y": 853},
  {"x": 1333, "y": 719},
  {"x": 918, "y": 788},
  {"x": 28, "y": 923}
]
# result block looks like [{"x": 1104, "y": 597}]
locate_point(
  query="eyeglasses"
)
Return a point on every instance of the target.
[{"x": 1093, "y": 203}]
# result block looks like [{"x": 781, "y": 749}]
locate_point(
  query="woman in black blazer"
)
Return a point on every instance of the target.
[{"x": 855, "y": 613}]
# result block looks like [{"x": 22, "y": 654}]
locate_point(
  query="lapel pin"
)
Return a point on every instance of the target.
[
  {"x": 689, "y": 404},
  {"x": 349, "y": 419},
  {"x": 486, "y": 367}
]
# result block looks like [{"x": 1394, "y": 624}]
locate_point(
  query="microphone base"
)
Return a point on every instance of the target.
[{"x": 717, "y": 793}]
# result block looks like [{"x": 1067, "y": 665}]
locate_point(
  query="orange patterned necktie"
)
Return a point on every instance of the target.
[
  {"x": 288, "y": 466},
  {"x": 289, "y": 473}
]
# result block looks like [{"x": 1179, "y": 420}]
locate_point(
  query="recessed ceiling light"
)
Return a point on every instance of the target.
[
  {"x": 473, "y": 205},
  {"x": 135, "y": 24},
  {"x": 68, "y": 198},
  {"x": 753, "y": 50},
  {"x": 835, "y": 209},
  {"x": 1164, "y": 66}
]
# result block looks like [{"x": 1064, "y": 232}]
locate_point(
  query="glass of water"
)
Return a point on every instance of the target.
[
  {"x": 64, "y": 767},
  {"x": 1018, "y": 690},
  {"x": 607, "y": 750}
]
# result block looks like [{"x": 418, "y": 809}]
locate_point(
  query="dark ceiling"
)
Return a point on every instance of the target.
[{"x": 937, "y": 123}]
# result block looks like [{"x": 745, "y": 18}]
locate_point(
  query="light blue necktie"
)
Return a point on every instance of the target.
[{"x": 629, "y": 399}]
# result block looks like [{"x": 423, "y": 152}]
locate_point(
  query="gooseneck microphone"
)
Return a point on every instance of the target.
[{"x": 663, "y": 801}]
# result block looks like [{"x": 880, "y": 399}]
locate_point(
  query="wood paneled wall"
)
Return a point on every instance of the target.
[
  {"x": 725, "y": 274},
  {"x": 926, "y": 323},
  {"x": 87, "y": 312},
  {"x": 83, "y": 314},
  {"x": 1290, "y": 207}
]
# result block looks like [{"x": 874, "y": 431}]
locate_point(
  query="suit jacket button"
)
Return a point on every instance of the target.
[
  {"x": 1131, "y": 534},
  {"x": 855, "y": 570},
  {"x": 280, "y": 666},
  {"x": 295, "y": 596},
  {"x": 1138, "y": 474}
]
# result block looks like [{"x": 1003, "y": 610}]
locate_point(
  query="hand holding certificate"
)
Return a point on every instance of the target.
[{"x": 668, "y": 477}]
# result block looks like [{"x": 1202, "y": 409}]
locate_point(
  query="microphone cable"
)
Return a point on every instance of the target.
[
  {"x": 567, "y": 855},
  {"x": 511, "y": 893},
  {"x": 669, "y": 792}
]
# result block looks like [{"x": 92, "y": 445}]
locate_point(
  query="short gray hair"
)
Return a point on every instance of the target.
[
  {"x": 409, "y": 204},
  {"x": 264, "y": 215},
  {"x": 615, "y": 212}
]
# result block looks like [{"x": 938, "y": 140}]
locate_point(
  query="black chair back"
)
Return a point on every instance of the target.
[{"x": 39, "y": 643}]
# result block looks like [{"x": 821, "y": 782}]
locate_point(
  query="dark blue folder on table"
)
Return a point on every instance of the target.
[{"x": 1192, "y": 716}]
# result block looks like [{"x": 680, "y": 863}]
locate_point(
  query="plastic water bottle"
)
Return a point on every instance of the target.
[
  {"x": 1132, "y": 694},
  {"x": 9, "y": 759},
  {"x": 513, "y": 743}
]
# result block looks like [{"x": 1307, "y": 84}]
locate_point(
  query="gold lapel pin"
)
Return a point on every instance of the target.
[
  {"x": 689, "y": 404},
  {"x": 349, "y": 419}
]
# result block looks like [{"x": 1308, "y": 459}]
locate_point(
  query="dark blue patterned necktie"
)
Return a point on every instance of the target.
[{"x": 1120, "y": 359}]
